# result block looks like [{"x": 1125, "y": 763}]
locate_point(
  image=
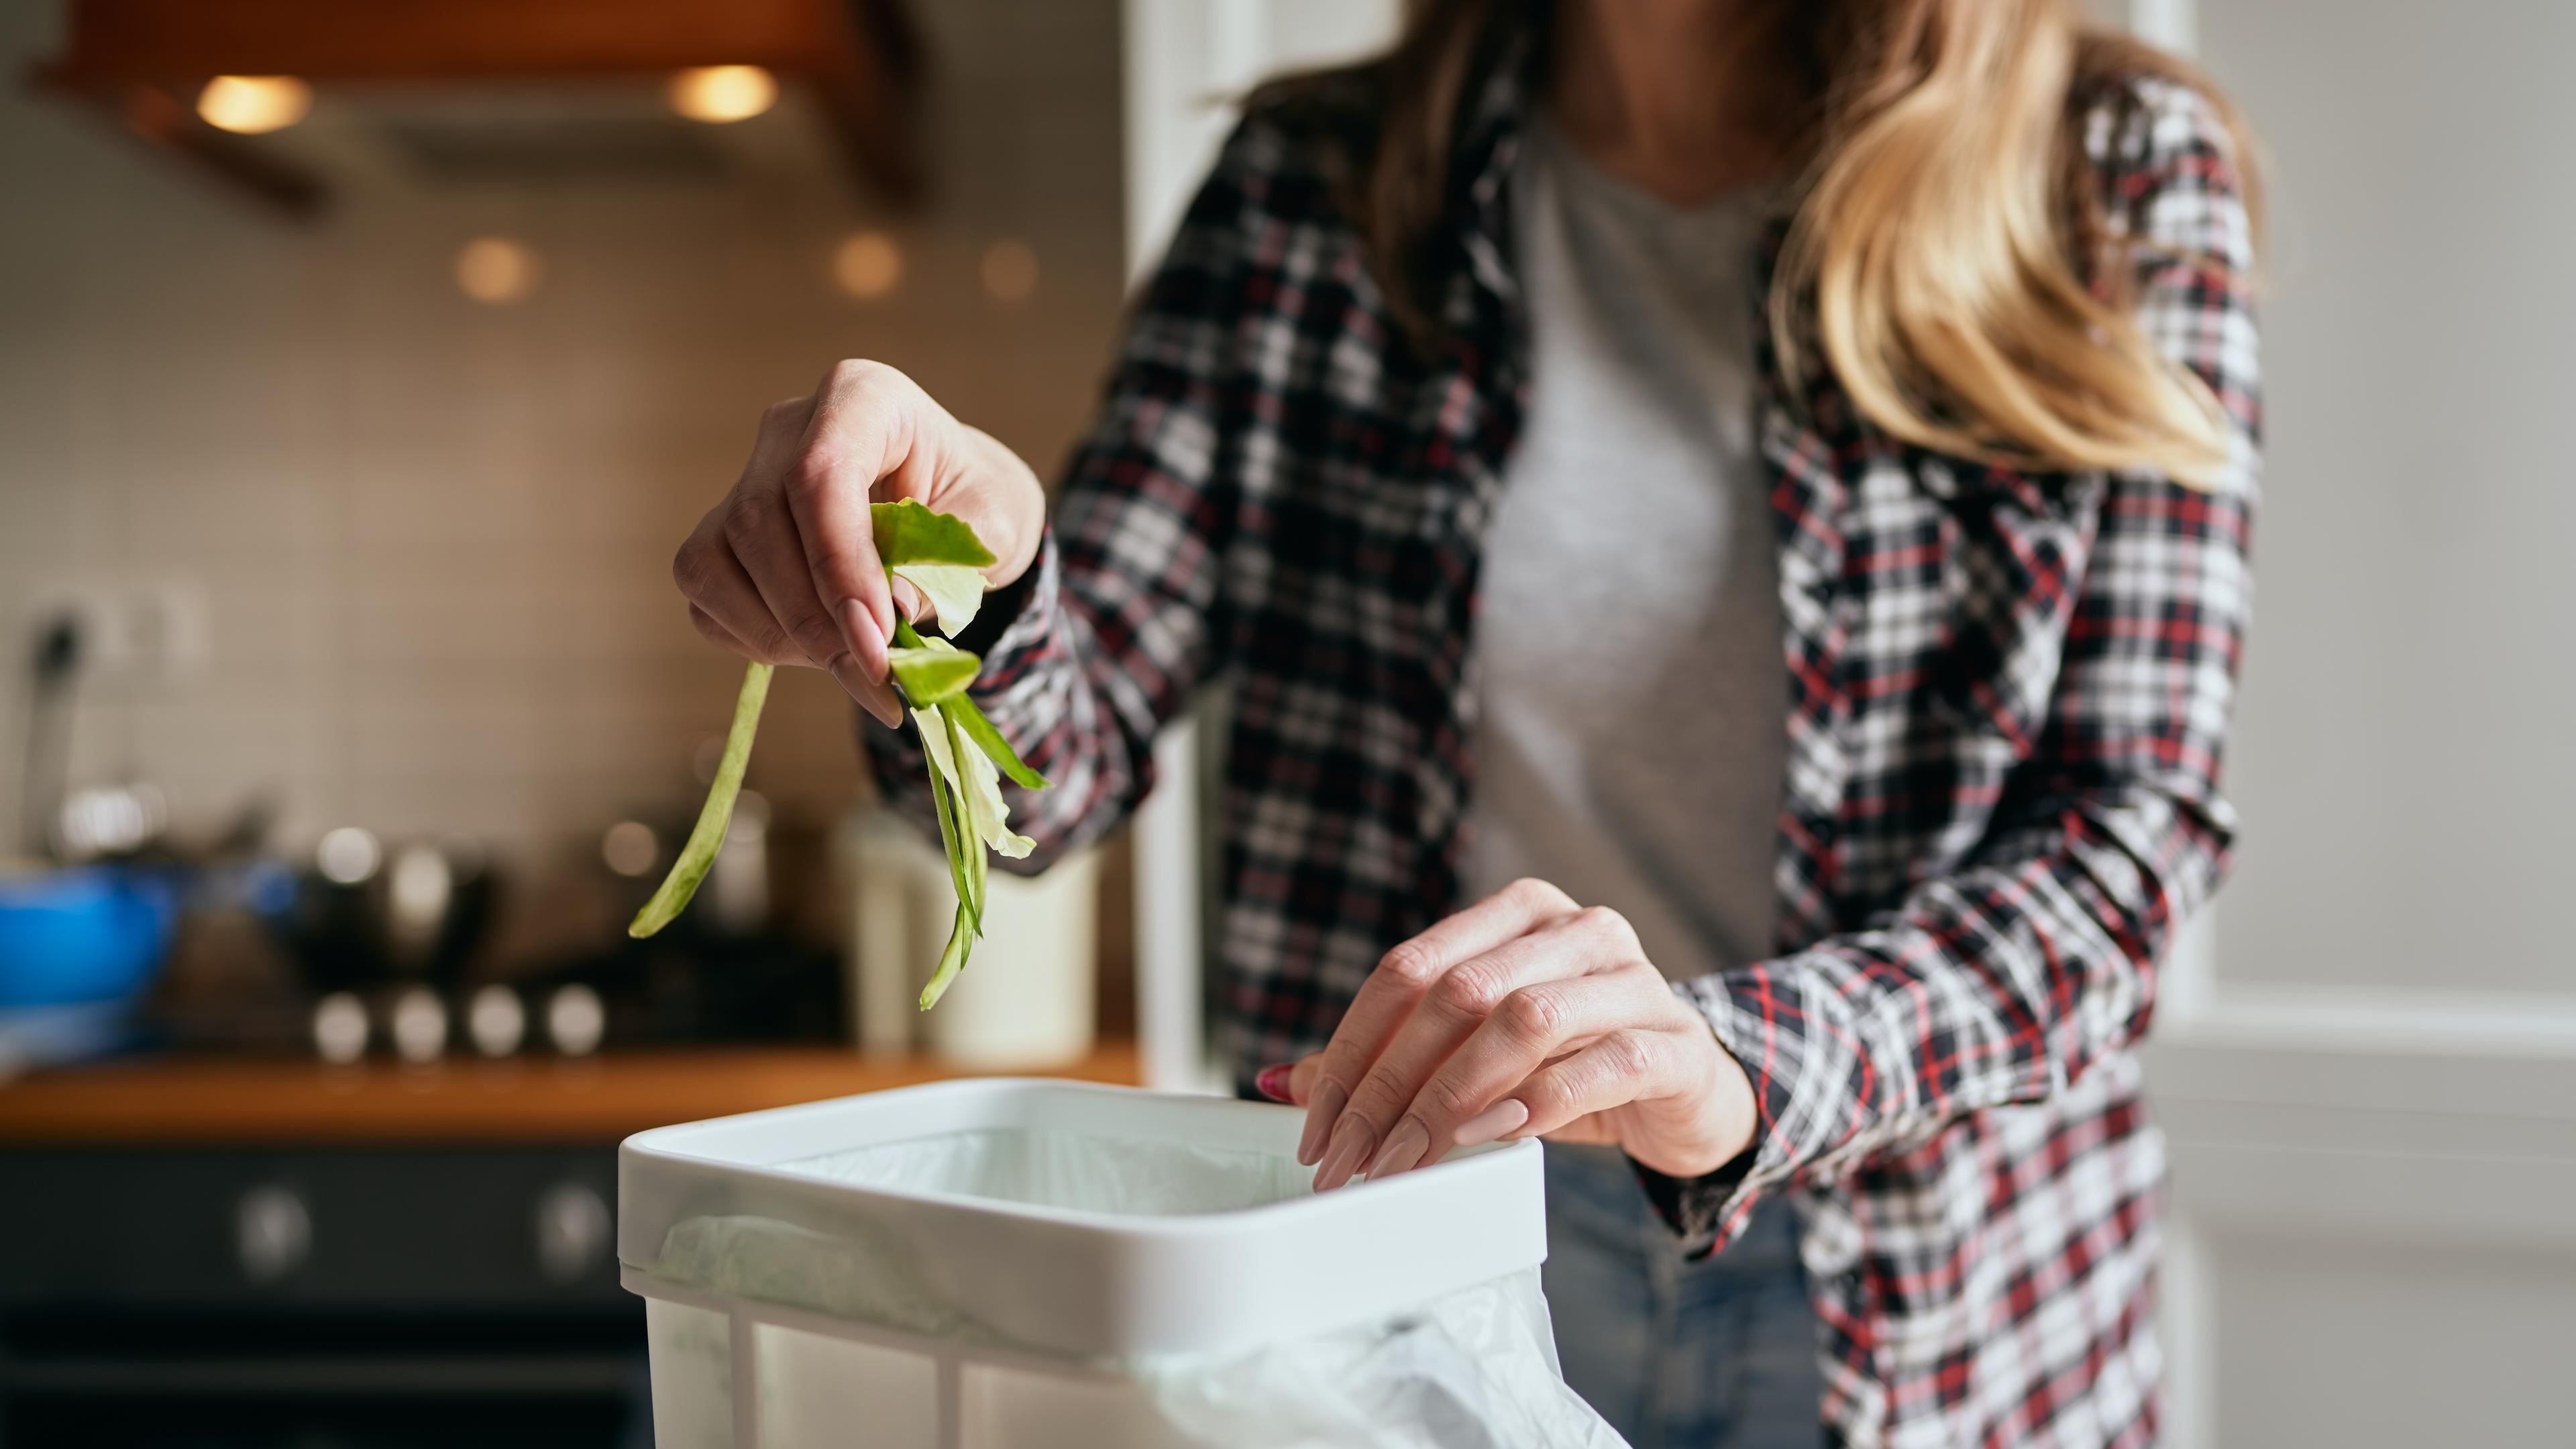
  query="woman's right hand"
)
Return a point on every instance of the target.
[{"x": 785, "y": 569}]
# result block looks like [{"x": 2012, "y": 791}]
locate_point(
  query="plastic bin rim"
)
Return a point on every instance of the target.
[{"x": 1137, "y": 1225}]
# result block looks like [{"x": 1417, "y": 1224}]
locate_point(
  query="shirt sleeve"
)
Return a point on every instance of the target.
[
  {"x": 1118, "y": 621},
  {"x": 2004, "y": 982}
]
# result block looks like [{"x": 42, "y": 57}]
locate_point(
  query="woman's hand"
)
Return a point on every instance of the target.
[
  {"x": 785, "y": 569},
  {"x": 1522, "y": 1015}
]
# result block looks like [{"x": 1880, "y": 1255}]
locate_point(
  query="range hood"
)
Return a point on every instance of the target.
[{"x": 549, "y": 87}]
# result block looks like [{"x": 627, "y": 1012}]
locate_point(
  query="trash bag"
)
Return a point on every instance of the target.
[{"x": 1475, "y": 1370}]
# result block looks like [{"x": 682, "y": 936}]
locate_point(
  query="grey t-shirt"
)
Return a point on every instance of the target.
[{"x": 1631, "y": 687}]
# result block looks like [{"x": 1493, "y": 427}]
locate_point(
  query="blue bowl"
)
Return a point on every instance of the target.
[{"x": 97, "y": 933}]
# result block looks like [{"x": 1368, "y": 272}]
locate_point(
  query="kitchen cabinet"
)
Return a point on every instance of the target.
[{"x": 255, "y": 1252}]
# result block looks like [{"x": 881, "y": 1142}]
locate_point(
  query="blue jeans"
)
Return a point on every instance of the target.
[{"x": 1718, "y": 1354}]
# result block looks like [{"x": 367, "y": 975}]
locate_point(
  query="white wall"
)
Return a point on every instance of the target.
[
  {"x": 2370, "y": 1081},
  {"x": 2406, "y": 752},
  {"x": 1188, "y": 60}
]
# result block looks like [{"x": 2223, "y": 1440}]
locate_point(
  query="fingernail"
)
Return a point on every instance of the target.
[
  {"x": 872, "y": 697},
  {"x": 1352, "y": 1142},
  {"x": 865, "y": 639},
  {"x": 1320, "y": 1113},
  {"x": 845, "y": 673},
  {"x": 1493, "y": 1122},
  {"x": 1273, "y": 1082},
  {"x": 1404, "y": 1147}
]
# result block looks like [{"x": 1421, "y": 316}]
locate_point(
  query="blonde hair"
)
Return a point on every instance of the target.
[
  {"x": 1939, "y": 260},
  {"x": 1937, "y": 251}
]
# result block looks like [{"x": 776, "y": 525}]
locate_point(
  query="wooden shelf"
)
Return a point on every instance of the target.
[{"x": 220, "y": 1100}]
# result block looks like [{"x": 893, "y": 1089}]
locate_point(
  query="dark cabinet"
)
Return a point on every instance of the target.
[{"x": 308, "y": 1296}]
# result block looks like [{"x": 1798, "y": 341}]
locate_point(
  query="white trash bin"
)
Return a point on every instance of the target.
[{"x": 1003, "y": 1262}]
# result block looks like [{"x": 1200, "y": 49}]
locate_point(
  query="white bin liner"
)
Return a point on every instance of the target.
[{"x": 1476, "y": 1369}]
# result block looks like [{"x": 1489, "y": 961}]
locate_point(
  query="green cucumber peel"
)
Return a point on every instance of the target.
[
  {"x": 932, "y": 671},
  {"x": 972, "y": 724},
  {"x": 952, "y": 960},
  {"x": 975, "y": 860},
  {"x": 908, "y": 533},
  {"x": 715, "y": 818},
  {"x": 970, "y": 719},
  {"x": 956, "y": 812},
  {"x": 943, "y": 804},
  {"x": 941, "y": 556},
  {"x": 937, "y": 553}
]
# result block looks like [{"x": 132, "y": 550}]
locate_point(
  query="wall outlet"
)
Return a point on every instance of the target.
[{"x": 130, "y": 628}]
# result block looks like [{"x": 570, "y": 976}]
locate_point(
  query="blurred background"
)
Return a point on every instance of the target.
[
  {"x": 360, "y": 367},
  {"x": 350, "y": 443}
]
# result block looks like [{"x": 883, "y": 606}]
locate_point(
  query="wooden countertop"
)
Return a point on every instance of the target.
[{"x": 231, "y": 1100}]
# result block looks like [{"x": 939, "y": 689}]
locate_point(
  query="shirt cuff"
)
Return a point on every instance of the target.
[
  {"x": 1005, "y": 608},
  {"x": 1707, "y": 1211}
]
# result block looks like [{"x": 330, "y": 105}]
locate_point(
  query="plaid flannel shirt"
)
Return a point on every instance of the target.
[{"x": 2007, "y": 701}]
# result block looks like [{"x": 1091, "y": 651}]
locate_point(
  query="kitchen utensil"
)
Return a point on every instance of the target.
[
  {"x": 354, "y": 919},
  {"x": 89, "y": 934}
]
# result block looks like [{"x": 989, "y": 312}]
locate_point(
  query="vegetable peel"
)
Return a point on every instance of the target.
[
  {"x": 934, "y": 671},
  {"x": 955, "y": 591},
  {"x": 715, "y": 818},
  {"x": 964, "y": 754}
]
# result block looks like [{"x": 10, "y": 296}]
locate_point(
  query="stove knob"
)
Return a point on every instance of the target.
[
  {"x": 573, "y": 1230},
  {"x": 496, "y": 1021},
  {"x": 273, "y": 1233},
  {"x": 340, "y": 1028},
  {"x": 575, "y": 1019},
  {"x": 420, "y": 1026}
]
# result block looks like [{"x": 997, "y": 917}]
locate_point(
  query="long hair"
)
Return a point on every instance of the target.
[{"x": 1946, "y": 231}]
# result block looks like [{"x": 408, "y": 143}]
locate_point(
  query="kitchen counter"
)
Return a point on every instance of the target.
[{"x": 215, "y": 1101}]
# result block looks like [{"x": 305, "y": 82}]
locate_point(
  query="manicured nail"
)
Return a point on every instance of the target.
[
  {"x": 1504, "y": 1116},
  {"x": 873, "y": 697},
  {"x": 1320, "y": 1114},
  {"x": 1273, "y": 1082},
  {"x": 1404, "y": 1147},
  {"x": 1352, "y": 1143},
  {"x": 844, "y": 670},
  {"x": 867, "y": 642}
]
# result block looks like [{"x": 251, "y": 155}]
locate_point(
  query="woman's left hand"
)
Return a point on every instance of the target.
[{"x": 1522, "y": 1015}]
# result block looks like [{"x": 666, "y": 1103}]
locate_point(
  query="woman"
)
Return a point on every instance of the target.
[{"x": 1748, "y": 499}]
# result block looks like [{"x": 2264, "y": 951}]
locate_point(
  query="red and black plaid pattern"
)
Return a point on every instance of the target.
[{"x": 2008, "y": 696}]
